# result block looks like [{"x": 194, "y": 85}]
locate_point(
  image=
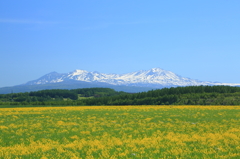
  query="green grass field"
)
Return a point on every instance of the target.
[{"x": 120, "y": 132}]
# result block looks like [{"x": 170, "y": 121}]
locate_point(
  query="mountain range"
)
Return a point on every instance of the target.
[{"x": 142, "y": 80}]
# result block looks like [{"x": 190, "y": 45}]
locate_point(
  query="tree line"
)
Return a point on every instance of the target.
[
  {"x": 189, "y": 95},
  {"x": 55, "y": 95}
]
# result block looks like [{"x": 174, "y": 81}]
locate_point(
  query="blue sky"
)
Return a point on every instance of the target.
[{"x": 198, "y": 39}]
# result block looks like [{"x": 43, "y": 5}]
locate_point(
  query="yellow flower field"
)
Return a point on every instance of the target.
[{"x": 120, "y": 132}]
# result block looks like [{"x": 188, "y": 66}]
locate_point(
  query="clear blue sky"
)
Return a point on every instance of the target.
[{"x": 199, "y": 39}]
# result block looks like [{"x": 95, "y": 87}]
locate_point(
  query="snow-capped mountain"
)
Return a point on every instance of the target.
[{"x": 154, "y": 77}]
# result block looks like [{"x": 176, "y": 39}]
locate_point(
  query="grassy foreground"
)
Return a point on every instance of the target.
[{"x": 120, "y": 132}]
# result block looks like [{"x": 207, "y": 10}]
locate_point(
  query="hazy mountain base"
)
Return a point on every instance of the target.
[{"x": 72, "y": 84}]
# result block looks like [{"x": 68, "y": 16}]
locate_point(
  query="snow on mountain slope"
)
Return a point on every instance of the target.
[
  {"x": 154, "y": 77},
  {"x": 52, "y": 77}
]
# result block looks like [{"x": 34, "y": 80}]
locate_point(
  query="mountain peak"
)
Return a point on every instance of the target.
[
  {"x": 78, "y": 72},
  {"x": 157, "y": 70}
]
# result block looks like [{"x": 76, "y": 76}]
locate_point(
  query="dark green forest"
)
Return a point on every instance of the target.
[
  {"x": 190, "y": 95},
  {"x": 55, "y": 96}
]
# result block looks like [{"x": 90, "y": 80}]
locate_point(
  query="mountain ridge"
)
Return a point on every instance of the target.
[
  {"x": 142, "y": 80},
  {"x": 155, "y": 77}
]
